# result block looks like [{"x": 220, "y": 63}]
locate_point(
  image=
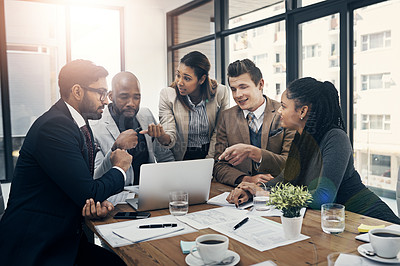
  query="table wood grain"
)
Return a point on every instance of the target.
[{"x": 312, "y": 251}]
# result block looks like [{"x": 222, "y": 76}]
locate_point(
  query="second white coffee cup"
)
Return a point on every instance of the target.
[
  {"x": 212, "y": 248},
  {"x": 385, "y": 242}
]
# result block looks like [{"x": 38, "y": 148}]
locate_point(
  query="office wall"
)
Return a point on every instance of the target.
[{"x": 146, "y": 46}]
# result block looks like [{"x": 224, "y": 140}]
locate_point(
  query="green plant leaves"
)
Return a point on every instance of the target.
[{"x": 289, "y": 198}]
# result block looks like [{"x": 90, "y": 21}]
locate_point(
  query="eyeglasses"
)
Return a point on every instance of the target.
[{"x": 101, "y": 91}]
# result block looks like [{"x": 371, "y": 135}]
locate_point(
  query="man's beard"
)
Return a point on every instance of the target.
[{"x": 86, "y": 108}]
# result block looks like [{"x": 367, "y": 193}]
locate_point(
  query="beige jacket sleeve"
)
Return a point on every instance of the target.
[
  {"x": 223, "y": 103},
  {"x": 166, "y": 115}
]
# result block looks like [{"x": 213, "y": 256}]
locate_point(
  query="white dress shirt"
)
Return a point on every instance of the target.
[{"x": 81, "y": 122}]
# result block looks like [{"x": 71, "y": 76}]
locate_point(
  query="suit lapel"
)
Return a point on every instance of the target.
[
  {"x": 182, "y": 118},
  {"x": 269, "y": 115},
  {"x": 110, "y": 123},
  {"x": 243, "y": 126},
  {"x": 211, "y": 110}
]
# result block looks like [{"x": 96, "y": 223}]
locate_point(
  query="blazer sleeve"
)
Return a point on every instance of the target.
[
  {"x": 166, "y": 115},
  {"x": 273, "y": 163},
  {"x": 223, "y": 102},
  {"x": 59, "y": 154},
  {"x": 161, "y": 153},
  {"x": 223, "y": 172},
  {"x": 102, "y": 163}
]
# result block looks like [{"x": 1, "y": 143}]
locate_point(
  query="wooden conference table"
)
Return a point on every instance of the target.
[{"x": 312, "y": 251}]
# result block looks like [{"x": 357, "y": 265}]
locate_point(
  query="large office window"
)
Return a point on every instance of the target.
[
  {"x": 41, "y": 38},
  {"x": 376, "y": 94},
  {"x": 95, "y": 36},
  {"x": 244, "y": 12},
  {"x": 207, "y": 48},
  {"x": 35, "y": 49},
  {"x": 194, "y": 23},
  {"x": 319, "y": 38},
  {"x": 265, "y": 46},
  {"x": 320, "y": 49}
]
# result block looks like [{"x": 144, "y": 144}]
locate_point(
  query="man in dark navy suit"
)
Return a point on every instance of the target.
[{"x": 53, "y": 185}]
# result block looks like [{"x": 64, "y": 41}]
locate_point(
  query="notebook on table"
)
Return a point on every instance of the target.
[{"x": 158, "y": 179}]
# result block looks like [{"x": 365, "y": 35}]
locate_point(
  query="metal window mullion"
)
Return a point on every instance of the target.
[{"x": 5, "y": 97}]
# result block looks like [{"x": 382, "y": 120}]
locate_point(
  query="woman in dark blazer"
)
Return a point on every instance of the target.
[{"x": 321, "y": 156}]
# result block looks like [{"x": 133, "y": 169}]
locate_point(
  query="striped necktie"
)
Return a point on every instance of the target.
[
  {"x": 89, "y": 145},
  {"x": 252, "y": 124}
]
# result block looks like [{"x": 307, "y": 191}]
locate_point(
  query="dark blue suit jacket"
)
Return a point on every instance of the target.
[{"x": 52, "y": 180}]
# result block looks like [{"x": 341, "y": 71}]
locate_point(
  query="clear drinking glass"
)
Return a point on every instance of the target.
[
  {"x": 260, "y": 200},
  {"x": 178, "y": 203},
  {"x": 332, "y": 218}
]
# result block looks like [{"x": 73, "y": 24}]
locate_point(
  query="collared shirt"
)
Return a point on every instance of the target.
[
  {"x": 259, "y": 114},
  {"x": 259, "y": 117},
  {"x": 198, "y": 124},
  {"x": 81, "y": 122}
]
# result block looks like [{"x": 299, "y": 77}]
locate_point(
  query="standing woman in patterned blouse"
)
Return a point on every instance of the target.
[{"x": 189, "y": 109}]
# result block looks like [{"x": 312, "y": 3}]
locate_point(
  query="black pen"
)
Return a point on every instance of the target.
[
  {"x": 137, "y": 130},
  {"x": 242, "y": 222},
  {"x": 156, "y": 226}
]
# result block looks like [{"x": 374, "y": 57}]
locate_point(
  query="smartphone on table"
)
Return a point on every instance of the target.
[{"x": 131, "y": 215}]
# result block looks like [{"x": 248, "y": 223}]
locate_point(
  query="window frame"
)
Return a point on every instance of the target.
[{"x": 4, "y": 85}]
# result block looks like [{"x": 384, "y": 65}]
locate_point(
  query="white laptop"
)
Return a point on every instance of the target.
[{"x": 158, "y": 179}]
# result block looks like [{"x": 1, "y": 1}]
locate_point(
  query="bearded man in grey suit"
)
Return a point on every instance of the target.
[
  {"x": 125, "y": 124},
  {"x": 251, "y": 144}
]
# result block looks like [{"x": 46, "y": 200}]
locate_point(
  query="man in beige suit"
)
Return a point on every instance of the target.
[{"x": 251, "y": 145}]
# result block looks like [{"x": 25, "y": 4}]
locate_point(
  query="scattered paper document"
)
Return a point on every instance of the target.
[
  {"x": 350, "y": 259},
  {"x": 265, "y": 263},
  {"x": 272, "y": 212},
  {"x": 365, "y": 237},
  {"x": 134, "y": 189},
  {"x": 136, "y": 235},
  {"x": 121, "y": 197},
  {"x": 107, "y": 230},
  {"x": 259, "y": 233},
  {"x": 206, "y": 218},
  {"x": 267, "y": 213},
  {"x": 220, "y": 200}
]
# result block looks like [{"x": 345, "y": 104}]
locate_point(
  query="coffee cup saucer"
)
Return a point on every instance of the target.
[
  {"x": 368, "y": 247},
  {"x": 191, "y": 260}
]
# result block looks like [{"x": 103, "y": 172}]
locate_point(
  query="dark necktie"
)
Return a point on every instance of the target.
[
  {"x": 252, "y": 124},
  {"x": 89, "y": 145}
]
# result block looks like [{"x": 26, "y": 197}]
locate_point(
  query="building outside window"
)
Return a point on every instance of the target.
[
  {"x": 375, "y": 81},
  {"x": 375, "y": 122},
  {"x": 278, "y": 88},
  {"x": 376, "y": 40},
  {"x": 254, "y": 28}
]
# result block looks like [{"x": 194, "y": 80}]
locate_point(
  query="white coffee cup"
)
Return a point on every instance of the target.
[
  {"x": 212, "y": 248},
  {"x": 385, "y": 242}
]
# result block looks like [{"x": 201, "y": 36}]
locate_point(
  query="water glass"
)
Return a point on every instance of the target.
[
  {"x": 260, "y": 200},
  {"x": 178, "y": 203},
  {"x": 332, "y": 218}
]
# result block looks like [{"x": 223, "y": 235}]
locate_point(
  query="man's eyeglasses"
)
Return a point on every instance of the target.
[{"x": 101, "y": 91}]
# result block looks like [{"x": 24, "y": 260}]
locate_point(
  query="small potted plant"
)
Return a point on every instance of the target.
[{"x": 290, "y": 199}]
